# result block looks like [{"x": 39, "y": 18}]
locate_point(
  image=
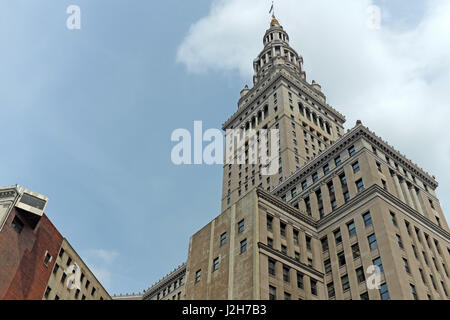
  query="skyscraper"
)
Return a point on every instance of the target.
[{"x": 346, "y": 217}]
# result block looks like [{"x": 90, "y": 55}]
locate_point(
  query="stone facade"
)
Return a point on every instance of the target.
[{"x": 340, "y": 205}]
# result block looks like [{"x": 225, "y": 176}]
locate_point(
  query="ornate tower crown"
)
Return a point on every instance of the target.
[{"x": 276, "y": 52}]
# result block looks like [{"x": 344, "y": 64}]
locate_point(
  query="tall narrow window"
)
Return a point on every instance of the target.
[
  {"x": 351, "y": 228},
  {"x": 337, "y": 236},
  {"x": 372, "y": 241}
]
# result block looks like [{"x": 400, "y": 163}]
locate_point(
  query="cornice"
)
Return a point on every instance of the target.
[
  {"x": 336, "y": 148},
  {"x": 286, "y": 207},
  {"x": 166, "y": 280},
  {"x": 293, "y": 261}
]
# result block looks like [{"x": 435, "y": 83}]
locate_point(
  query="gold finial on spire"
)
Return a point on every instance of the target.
[{"x": 274, "y": 20}]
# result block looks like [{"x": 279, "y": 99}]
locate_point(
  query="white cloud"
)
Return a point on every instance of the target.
[
  {"x": 100, "y": 262},
  {"x": 395, "y": 81}
]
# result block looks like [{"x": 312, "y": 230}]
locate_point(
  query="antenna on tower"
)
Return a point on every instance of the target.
[{"x": 272, "y": 10}]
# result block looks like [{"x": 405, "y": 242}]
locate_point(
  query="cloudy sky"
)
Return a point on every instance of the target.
[{"x": 87, "y": 114}]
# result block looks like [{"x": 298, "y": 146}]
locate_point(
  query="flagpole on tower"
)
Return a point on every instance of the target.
[{"x": 272, "y": 10}]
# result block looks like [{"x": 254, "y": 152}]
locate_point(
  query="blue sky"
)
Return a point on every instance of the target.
[{"x": 87, "y": 114}]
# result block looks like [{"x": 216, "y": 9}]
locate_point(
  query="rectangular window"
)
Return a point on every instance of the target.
[
  {"x": 351, "y": 228},
  {"x": 400, "y": 242},
  {"x": 286, "y": 274},
  {"x": 355, "y": 251},
  {"x": 63, "y": 277},
  {"x": 272, "y": 293},
  {"x": 314, "y": 287},
  {"x": 198, "y": 276},
  {"x": 351, "y": 151},
  {"x": 394, "y": 219},
  {"x": 283, "y": 229},
  {"x": 87, "y": 284},
  {"x": 55, "y": 269},
  {"x": 337, "y": 236},
  {"x": 384, "y": 293},
  {"x": 223, "y": 239},
  {"x": 364, "y": 296},
  {"x": 294, "y": 192},
  {"x": 287, "y": 296},
  {"x": 269, "y": 223},
  {"x": 300, "y": 280},
  {"x": 345, "y": 283},
  {"x": 297, "y": 256},
  {"x": 413, "y": 292},
  {"x": 326, "y": 169},
  {"x": 241, "y": 226},
  {"x": 356, "y": 167},
  {"x": 341, "y": 258},
  {"x": 47, "y": 292},
  {"x": 324, "y": 242},
  {"x": 367, "y": 219},
  {"x": 272, "y": 267},
  {"x": 315, "y": 177},
  {"x": 296, "y": 235},
  {"x": 308, "y": 243},
  {"x": 216, "y": 264},
  {"x": 360, "y": 275},
  {"x": 377, "y": 262},
  {"x": 330, "y": 289},
  {"x": 406, "y": 265},
  {"x": 270, "y": 242},
  {"x": 338, "y": 161},
  {"x": 327, "y": 266},
  {"x": 47, "y": 259},
  {"x": 69, "y": 261},
  {"x": 360, "y": 185},
  {"x": 283, "y": 249},
  {"x": 372, "y": 241},
  {"x": 243, "y": 245}
]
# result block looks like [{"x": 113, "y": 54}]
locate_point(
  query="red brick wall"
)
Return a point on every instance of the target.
[{"x": 23, "y": 274}]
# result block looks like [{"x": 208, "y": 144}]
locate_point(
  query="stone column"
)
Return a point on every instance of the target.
[
  {"x": 407, "y": 194},
  {"x": 417, "y": 201},
  {"x": 398, "y": 187}
]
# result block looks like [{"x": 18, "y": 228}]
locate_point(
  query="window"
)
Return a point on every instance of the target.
[
  {"x": 314, "y": 287},
  {"x": 216, "y": 264},
  {"x": 297, "y": 256},
  {"x": 345, "y": 283},
  {"x": 198, "y": 276},
  {"x": 270, "y": 242},
  {"x": 432, "y": 281},
  {"x": 283, "y": 229},
  {"x": 315, "y": 177},
  {"x": 223, "y": 239},
  {"x": 326, "y": 169},
  {"x": 364, "y": 296},
  {"x": 300, "y": 280},
  {"x": 406, "y": 265},
  {"x": 367, "y": 219},
  {"x": 384, "y": 293},
  {"x": 308, "y": 243},
  {"x": 287, "y": 296},
  {"x": 351, "y": 228},
  {"x": 324, "y": 242},
  {"x": 327, "y": 266},
  {"x": 296, "y": 234},
  {"x": 83, "y": 297},
  {"x": 63, "y": 277},
  {"x": 69, "y": 261},
  {"x": 431, "y": 204},
  {"x": 346, "y": 196},
  {"x": 379, "y": 167},
  {"x": 47, "y": 292},
  {"x": 360, "y": 185},
  {"x": 272, "y": 293},
  {"x": 56, "y": 297},
  {"x": 286, "y": 274},
  {"x": 337, "y": 236},
  {"x": 341, "y": 259},
  {"x": 93, "y": 291},
  {"x": 294, "y": 192},
  {"x": 241, "y": 226},
  {"x": 377, "y": 262},
  {"x": 444, "y": 288},
  {"x": 47, "y": 259},
  {"x": 243, "y": 245},
  {"x": 283, "y": 249},
  {"x": 351, "y": 151},
  {"x": 394, "y": 219},
  {"x": 425, "y": 258},
  {"x": 56, "y": 268},
  {"x": 360, "y": 275},
  {"x": 310, "y": 262},
  {"x": 338, "y": 161},
  {"x": 17, "y": 225},
  {"x": 413, "y": 291},
  {"x": 400, "y": 242},
  {"x": 87, "y": 284},
  {"x": 272, "y": 267},
  {"x": 77, "y": 293},
  {"x": 330, "y": 289},
  {"x": 356, "y": 167},
  {"x": 372, "y": 241},
  {"x": 355, "y": 251},
  {"x": 304, "y": 185}
]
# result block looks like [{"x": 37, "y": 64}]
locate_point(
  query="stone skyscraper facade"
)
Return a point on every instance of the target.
[{"x": 341, "y": 206}]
